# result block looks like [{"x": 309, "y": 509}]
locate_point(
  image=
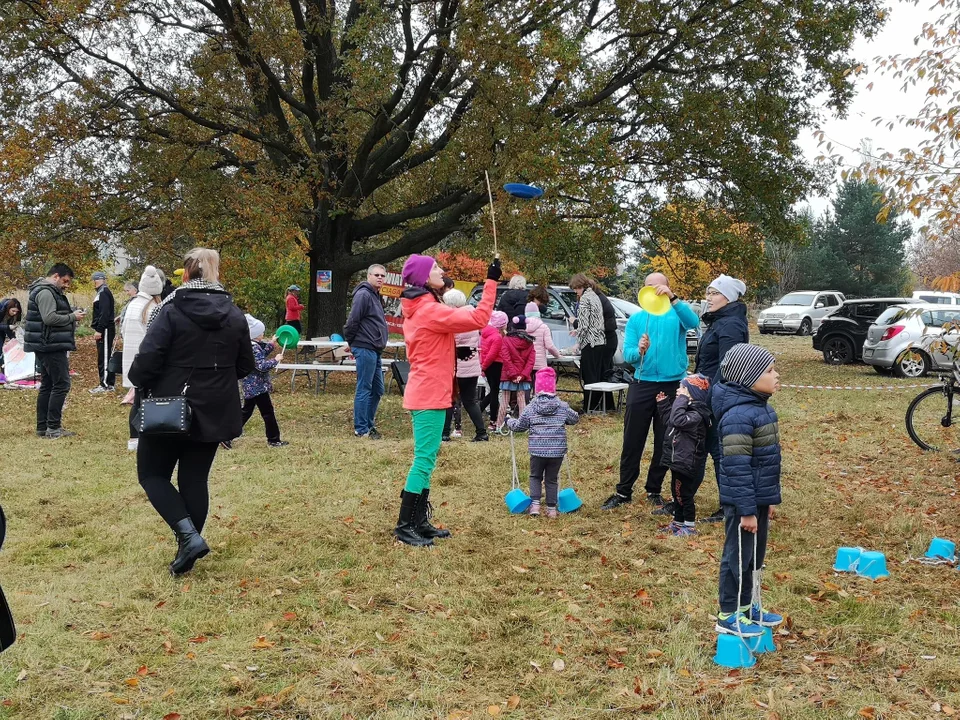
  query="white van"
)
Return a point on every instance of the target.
[{"x": 935, "y": 297}]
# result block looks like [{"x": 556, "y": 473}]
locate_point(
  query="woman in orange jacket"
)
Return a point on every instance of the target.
[{"x": 429, "y": 328}]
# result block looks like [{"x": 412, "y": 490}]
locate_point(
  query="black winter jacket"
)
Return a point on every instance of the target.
[
  {"x": 199, "y": 338},
  {"x": 686, "y": 443},
  {"x": 609, "y": 314},
  {"x": 6, "y": 330},
  {"x": 104, "y": 310},
  {"x": 367, "y": 325},
  {"x": 725, "y": 328},
  {"x": 513, "y": 303}
]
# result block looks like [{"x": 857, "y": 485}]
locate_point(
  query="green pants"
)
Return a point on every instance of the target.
[{"x": 427, "y": 434}]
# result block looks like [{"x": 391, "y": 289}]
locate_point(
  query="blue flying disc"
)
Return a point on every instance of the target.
[{"x": 519, "y": 190}]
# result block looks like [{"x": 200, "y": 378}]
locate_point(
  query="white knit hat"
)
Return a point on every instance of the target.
[
  {"x": 150, "y": 281},
  {"x": 256, "y": 327},
  {"x": 731, "y": 288}
]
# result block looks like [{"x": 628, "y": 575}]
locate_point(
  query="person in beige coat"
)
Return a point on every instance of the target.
[{"x": 133, "y": 329}]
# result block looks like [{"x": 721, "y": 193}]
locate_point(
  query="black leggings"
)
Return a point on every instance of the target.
[
  {"x": 468, "y": 397},
  {"x": 492, "y": 398},
  {"x": 157, "y": 455},
  {"x": 265, "y": 404},
  {"x": 134, "y": 411}
]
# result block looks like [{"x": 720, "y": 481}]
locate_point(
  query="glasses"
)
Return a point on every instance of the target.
[{"x": 711, "y": 292}]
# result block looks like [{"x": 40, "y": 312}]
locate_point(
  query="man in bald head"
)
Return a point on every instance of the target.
[{"x": 656, "y": 345}]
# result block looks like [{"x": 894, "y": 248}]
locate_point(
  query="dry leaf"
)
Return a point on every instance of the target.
[
  {"x": 172, "y": 716},
  {"x": 262, "y": 642},
  {"x": 493, "y": 710},
  {"x": 458, "y": 715},
  {"x": 513, "y": 702},
  {"x": 517, "y": 568},
  {"x": 199, "y": 639},
  {"x": 167, "y": 694},
  {"x": 142, "y": 670},
  {"x": 867, "y": 712},
  {"x": 168, "y": 647},
  {"x": 132, "y": 682},
  {"x": 104, "y": 604},
  {"x": 654, "y": 653},
  {"x": 559, "y": 665},
  {"x": 99, "y": 635},
  {"x": 22, "y": 676},
  {"x": 289, "y": 616}
]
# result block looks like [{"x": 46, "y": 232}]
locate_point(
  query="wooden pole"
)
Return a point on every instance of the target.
[{"x": 493, "y": 217}]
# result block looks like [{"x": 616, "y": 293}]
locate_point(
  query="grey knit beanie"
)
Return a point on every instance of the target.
[{"x": 744, "y": 364}]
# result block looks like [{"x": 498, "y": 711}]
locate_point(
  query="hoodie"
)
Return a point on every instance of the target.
[
  {"x": 542, "y": 342},
  {"x": 367, "y": 326},
  {"x": 198, "y": 340},
  {"x": 666, "y": 359},
  {"x": 545, "y": 418},
  {"x": 750, "y": 442},
  {"x": 490, "y": 343},
  {"x": 429, "y": 329}
]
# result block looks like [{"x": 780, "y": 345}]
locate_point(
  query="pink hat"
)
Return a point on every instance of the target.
[
  {"x": 498, "y": 319},
  {"x": 416, "y": 270},
  {"x": 546, "y": 381}
]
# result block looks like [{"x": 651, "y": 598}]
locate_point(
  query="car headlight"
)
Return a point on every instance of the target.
[{"x": 793, "y": 316}]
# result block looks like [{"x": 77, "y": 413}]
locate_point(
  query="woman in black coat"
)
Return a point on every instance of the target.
[
  {"x": 10, "y": 314},
  {"x": 726, "y": 321},
  {"x": 198, "y": 344},
  {"x": 514, "y": 301}
]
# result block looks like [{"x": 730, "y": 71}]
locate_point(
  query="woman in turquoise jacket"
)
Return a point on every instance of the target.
[{"x": 656, "y": 345}]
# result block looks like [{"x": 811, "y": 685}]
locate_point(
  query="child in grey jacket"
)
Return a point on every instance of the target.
[{"x": 545, "y": 417}]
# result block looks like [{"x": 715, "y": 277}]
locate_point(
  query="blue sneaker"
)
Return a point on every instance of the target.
[
  {"x": 738, "y": 624},
  {"x": 766, "y": 619},
  {"x": 679, "y": 529}
]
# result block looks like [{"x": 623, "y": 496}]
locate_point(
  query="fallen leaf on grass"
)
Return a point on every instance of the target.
[
  {"x": 160, "y": 604},
  {"x": 168, "y": 647},
  {"x": 99, "y": 635},
  {"x": 104, "y": 604},
  {"x": 868, "y": 712},
  {"x": 262, "y": 642},
  {"x": 199, "y": 639},
  {"x": 172, "y": 716},
  {"x": 289, "y": 616},
  {"x": 167, "y": 694},
  {"x": 458, "y": 715},
  {"x": 132, "y": 682},
  {"x": 22, "y": 676},
  {"x": 143, "y": 670},
  {"x": 517, "y": 568},
  {"x": 559, "y": 665},
  {"x": 513, "y": 702},
  {"x": 493, "y": 710}
]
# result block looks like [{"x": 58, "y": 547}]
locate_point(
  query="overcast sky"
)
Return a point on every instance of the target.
[{"x": 886, "y": 99}]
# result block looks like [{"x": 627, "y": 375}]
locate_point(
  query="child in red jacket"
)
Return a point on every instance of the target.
[
  {"x": 518, "y": 356},
  {"x": 491, "y": 340}
]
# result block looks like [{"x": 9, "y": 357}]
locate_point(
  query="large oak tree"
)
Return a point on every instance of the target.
[{"x": 361, "y": 129}]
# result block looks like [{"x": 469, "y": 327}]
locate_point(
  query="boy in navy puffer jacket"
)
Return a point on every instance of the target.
[
  {"x": 749, "y": 481},
  {"x": 545, "y": 418}
]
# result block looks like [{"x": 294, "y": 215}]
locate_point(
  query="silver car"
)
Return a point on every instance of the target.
[
  {"x": 903, "y": 339},
  {"x": 799, "y": 312}
]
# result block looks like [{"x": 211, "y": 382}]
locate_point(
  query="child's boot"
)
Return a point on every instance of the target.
[
  {"x": 552, "y": 512},
  {"x": 534, "y": 508},
  {"x": 423, "y": 514},
  {"x": 406, "y": 530}
]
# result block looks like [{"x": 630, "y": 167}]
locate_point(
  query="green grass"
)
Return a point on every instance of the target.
[{"x": 351, "y": 624}]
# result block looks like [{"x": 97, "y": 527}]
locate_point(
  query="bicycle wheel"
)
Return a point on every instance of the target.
[{"x": 933, "y": 422}]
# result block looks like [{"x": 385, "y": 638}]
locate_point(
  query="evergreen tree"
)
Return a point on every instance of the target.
[{"x": 854, "y": 252}]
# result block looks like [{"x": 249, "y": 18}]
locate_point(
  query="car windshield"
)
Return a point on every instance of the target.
[
  {"x": 625, "y": 307},
  {"x": 801, "y": 299}
]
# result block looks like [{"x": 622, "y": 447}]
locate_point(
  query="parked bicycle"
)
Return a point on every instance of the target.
[{"x": 930, "y": 419}]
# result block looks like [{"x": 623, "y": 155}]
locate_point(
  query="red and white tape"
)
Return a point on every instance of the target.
[{"x": 857, "y": 387}]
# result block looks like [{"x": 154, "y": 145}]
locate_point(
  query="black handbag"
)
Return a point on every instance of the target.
[
  {"x": 168, "y": 415},
  {"x": 115, "y": 364}
]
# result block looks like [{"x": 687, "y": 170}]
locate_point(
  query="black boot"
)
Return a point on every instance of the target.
[
  {"x": 424, "y": 513},
  {"x": 190, "y": 547},
  {"x": 406, "y": 530}
]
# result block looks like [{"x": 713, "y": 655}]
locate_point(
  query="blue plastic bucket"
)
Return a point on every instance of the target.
[
  {"x": 847, "y": 559},
  {"x": 517, "y": 501},
  {"x": 568, "y": 501},
  {"x": 733, "y": 652},
  {"x": 336, "y": 338},
  {"x": 942, "y": 549},
  {"x": 872, "y": 565},
  {"x": 761, "y": 643}
]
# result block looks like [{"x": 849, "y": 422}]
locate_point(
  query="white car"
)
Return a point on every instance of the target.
[{"x": 799, "y": 312}]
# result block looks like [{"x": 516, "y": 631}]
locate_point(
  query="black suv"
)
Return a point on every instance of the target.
[{"x": 841, "y": 334}]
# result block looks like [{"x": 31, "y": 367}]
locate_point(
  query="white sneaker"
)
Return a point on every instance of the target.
[
  {"x": 97, "y": 390},
  {"x": 133, "y": 444},
  {"x": 456, "y": 434}
]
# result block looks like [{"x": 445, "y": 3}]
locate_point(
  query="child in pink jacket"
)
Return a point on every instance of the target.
[
  {"x": 542, "y": 339},
  {"x": 491, "y": 341}
]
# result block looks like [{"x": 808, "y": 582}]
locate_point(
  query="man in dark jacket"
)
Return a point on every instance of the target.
[
  {"x": 49, "y": 332},
  {"x": 104, "y": 331},
  {"x": 366, "y": 333}
]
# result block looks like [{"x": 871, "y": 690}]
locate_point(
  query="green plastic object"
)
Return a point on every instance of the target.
[{"x": 287, "y": 336}]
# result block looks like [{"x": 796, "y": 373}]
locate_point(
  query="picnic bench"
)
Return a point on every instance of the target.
[{"x": 322, "y": 372}]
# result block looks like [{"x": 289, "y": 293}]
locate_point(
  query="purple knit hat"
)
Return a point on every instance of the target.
[{"x": 416, "y": 270}]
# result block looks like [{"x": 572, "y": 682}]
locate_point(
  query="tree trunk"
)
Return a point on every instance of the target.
[{"x": 327, "y": 310}]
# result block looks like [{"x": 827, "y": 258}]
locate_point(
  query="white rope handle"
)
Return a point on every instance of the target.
[{"x": 513, "y": 458}]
